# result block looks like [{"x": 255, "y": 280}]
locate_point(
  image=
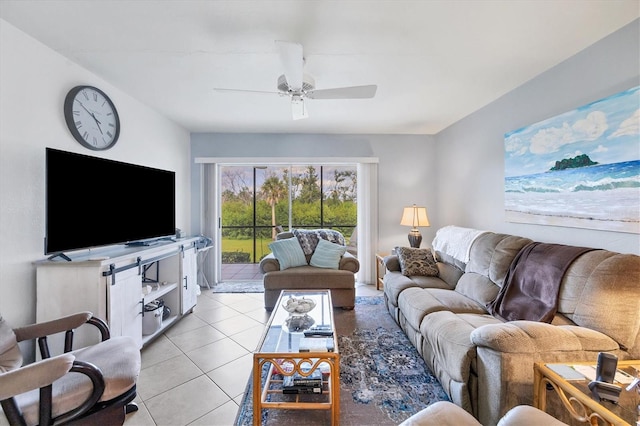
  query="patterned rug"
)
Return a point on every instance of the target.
[
  {"x": 239, "y": 287},
  {"x": 383, "y": 379}
]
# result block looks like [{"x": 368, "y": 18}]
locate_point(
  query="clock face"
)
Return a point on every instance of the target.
[{"x": 91, "y": 117}]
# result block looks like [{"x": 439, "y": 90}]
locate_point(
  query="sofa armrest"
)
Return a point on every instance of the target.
[
  {"x": 536, "y": 338},
  {"x": 349, "y": 262},
  {"x": 392, "y": 263},
  {"x": 269, "y": 263}
]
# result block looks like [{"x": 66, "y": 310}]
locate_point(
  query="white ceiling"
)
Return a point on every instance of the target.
[{"x": 434, "y": 61}]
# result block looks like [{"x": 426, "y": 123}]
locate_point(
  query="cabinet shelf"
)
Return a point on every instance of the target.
[{"x": 161, "y": 291}]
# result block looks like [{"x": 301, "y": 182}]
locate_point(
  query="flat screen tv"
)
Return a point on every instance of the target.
[{"x": 93, "y": 202}]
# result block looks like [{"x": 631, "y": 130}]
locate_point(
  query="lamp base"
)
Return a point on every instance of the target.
[{"x": 415, "y": 239}]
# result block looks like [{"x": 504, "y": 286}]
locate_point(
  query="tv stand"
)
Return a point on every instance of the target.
[
  {"x": 117, "y": 285},
  {"x": 61, "y": 254}
]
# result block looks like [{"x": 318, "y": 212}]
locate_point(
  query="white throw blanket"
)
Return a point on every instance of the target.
[{"x": 455, "y": 241}]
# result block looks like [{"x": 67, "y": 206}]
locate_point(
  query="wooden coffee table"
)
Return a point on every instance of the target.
[
  {"x": 278, "y": 355},
  {"x": 576, "y": 396}
]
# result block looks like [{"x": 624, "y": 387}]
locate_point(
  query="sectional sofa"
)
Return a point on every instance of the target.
[{"x": 485, "y": 360}]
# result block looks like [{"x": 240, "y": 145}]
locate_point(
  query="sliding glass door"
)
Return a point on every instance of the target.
[{"x": 257, "y": 201}]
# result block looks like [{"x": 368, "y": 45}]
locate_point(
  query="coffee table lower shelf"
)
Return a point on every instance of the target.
[{"x": 266, "y": 395}]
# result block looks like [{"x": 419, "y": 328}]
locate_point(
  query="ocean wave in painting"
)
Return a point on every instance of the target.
[{"x": 605, "y": 193}]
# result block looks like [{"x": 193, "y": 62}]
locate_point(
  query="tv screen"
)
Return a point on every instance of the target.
[{"x": 93, "y": 202}]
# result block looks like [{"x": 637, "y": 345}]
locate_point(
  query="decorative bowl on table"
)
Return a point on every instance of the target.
[
  {"x": 298, "y": 306},
  {"x": 298, "y": 323}
]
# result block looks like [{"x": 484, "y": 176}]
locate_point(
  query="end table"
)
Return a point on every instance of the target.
[{"x": 380, "y": 264}]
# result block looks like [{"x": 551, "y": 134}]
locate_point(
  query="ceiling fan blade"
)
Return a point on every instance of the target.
[
  {"x": 353, "y": 92},
  {"x": 293, "y": 62},
  {"x": 298, "y": 108},
  {"x": 218, "y": 89}
]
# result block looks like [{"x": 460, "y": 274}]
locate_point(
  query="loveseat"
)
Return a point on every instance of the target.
[
  {"x": 484, "y": 361},
  {"x": 297, "y": 263}
]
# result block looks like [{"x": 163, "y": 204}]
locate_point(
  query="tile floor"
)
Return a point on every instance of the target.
[
  {"x": 241, "y": 272},
  {"x": 196, "y": 372}
]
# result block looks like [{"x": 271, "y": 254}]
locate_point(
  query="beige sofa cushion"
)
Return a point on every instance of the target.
[
  {"x": 415, "y": 303},
  {"x": 600, "y": 284},
  {"x": 490, "y": 258},
  {"x": 449, "y": 336},
  {"x": 491, "y": 255}
]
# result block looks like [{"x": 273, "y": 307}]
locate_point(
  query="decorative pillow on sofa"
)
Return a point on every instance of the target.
[
  {"x": 309, "y": 238},
  {"x": 415, "y": 261},
  {"x": 327, "y": 255},
  {"x": 288, "y": 252}
]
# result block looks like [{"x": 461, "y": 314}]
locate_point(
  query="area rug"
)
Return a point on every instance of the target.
[
  {"x": 239, "y": 287},
  {"x": 383, "y": 379}
]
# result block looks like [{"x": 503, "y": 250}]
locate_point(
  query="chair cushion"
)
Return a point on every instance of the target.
[
  {"x": 119, "y": 360},
  {"x": 441, "y": 413},
  {"x": 327, "y": 255},
  {"x": 288, "y": 253}
]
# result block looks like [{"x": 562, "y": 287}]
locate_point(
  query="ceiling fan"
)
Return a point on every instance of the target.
[{"x": 299, "y": 86}]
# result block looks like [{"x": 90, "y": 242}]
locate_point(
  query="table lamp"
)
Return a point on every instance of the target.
[{"x": 414, "y": 216}]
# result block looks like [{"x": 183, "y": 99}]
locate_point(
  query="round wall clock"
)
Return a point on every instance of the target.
[{"x": 91, "y": 117}]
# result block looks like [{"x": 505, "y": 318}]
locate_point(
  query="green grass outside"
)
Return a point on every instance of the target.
[{"x": 246, "y": 246}]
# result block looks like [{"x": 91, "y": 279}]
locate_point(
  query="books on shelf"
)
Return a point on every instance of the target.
[
  {"x": 299, "y": 384},
  {"x": 302, "y": 390},
  {"x": 297, "y": 379}
]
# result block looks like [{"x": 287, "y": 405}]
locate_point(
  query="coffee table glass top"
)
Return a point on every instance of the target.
[{"x": 285, "y": 329}]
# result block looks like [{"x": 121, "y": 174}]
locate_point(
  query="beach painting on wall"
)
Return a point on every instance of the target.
[{"x": 579, "y": 169}]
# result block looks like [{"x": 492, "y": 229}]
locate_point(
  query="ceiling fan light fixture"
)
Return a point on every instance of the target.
[{"x": 298, "y": 109}]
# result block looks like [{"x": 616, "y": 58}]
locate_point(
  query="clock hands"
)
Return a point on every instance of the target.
[
  {"x": 92, "y": 116},
  {"x": 98, "y": 123}
]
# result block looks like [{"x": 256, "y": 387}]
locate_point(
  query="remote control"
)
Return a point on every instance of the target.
[{"x": 318, "y": 333}]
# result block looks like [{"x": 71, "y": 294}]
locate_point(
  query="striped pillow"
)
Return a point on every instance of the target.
[
  {"x": 327, "y": 255},
  {"x": 288, "y": 253}
]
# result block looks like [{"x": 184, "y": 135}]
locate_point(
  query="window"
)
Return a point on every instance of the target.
[{"x": 256, "y": 200}]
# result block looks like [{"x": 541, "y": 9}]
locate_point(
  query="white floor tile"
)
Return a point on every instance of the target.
[{"x": 187, "y": 402}]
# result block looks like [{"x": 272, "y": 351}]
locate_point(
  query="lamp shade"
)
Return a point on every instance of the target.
[{"x": 414, "y": 216}]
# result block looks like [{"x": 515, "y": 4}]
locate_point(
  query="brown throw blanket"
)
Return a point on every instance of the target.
[{"x": 531, "y": 286}]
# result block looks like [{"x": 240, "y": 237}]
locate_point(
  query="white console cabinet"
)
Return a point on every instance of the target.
[{"x": 115, "y": 284}]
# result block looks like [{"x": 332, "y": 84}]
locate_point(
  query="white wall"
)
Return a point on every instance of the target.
[
  {"x": 33, "y": 83},
  {"x": 406, "y": 168},
  {"x": 471, "y": 152}
]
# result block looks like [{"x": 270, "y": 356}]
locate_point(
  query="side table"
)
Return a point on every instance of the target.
[
  {"x": 576, "y": 396},
  {"x": 380, "y": 264}
]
